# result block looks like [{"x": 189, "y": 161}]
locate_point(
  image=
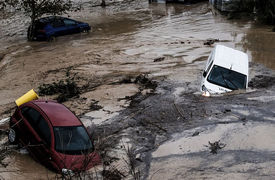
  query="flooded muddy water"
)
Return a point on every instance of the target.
[
  {"x": 22, "y": 166},
  {"x": 166, "y": 42}
]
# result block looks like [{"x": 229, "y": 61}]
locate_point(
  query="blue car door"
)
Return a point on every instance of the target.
[
  {"x": 71, "y": 26},
  {"x": 59, "y": 27}
]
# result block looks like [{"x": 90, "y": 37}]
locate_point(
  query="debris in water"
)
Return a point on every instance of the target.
[
  {"x": 227, "y": 110},
  {"x": 94, "y": 106},
  {"x": 195, "y": 133},
  {"x": 126, "y": 80},
  {"x": 3, "y": 121},
  {"x": 159, "y": 59},
  {"x": 30, "y": 95},
  {"x": 210, "y": 41},
  {"x": 215, "y": 146},
  {"x": 66, "y": 89},
  {"x": 113, "y": 173},
  {"x": 1, "y": 56},
  {"x": 138, "y": 158},
  {"x": 244, "y": 120},
  {"x": 261, "y": 81},
  {"x": 145, "y": 81},
  {"x": 3, "y": 154}
]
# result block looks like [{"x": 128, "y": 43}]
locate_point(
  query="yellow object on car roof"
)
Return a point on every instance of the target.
[{"x": 30, "y": 95}]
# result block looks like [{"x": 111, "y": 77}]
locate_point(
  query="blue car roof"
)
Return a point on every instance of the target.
[{"x": 49, "y": 19}]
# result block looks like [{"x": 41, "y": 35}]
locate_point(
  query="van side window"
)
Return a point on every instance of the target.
[{"x": 38, "y": 123}]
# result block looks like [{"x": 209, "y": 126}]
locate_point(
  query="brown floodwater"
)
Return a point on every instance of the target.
[
  {"x": 124, "y": 42},
  {"x": 259, "y": 42},
  {"x": 22, "y": 166}
]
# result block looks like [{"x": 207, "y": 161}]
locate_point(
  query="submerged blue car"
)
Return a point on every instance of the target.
[{"x": 48, "y": 28}]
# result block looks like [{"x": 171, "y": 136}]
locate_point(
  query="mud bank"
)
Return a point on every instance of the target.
[{"x": 171, "y": 131}]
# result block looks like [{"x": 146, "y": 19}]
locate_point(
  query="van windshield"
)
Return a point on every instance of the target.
[
  {"x": 72, "y": 140},
  {"x": 227, "y": 78}
]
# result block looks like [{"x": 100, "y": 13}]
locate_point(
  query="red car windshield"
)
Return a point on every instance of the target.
[{"x": 72, "y": 140}]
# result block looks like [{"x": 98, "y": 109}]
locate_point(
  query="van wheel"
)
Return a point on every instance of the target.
[{"x": 12, "y": 136}]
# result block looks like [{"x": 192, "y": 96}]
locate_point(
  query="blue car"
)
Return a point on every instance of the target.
[{"x": 48, "y": 28}]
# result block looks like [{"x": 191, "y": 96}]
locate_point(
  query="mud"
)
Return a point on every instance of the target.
[
  {"x": 262, "y": 81},
  {"x": 138, "y": 74}
]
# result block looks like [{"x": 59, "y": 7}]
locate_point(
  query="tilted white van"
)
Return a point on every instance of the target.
[{"x": 226, "y": 70}]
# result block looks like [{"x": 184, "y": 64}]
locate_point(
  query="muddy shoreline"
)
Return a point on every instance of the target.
[{"x": 164, "y": 117}]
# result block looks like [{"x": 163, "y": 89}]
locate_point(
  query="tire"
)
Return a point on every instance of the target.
[
  {"x": 85, "y": 30},
  {"x": 12, "y": 136}
]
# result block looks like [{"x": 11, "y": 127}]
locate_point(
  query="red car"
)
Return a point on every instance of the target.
[{"x": 54, "y": 136}]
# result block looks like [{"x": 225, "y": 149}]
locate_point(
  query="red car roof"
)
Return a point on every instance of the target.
[{"x": 58, "y": 114}]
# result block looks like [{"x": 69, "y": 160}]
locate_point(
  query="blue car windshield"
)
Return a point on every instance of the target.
[
  {"x": 227, "y": 78},
  {"x": 72, "y": 140}
]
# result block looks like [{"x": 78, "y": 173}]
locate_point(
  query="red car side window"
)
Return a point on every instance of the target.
[
  {"x": 31, "y": 115},
  {"x": 44, "y": 130},
  {"x": 38, "y": 123}
]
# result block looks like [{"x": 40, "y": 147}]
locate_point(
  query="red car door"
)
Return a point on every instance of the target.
[
  {"x": 44, "y": 131},
  {"x": 29, "y": 117},
  {"x": 36, "y": 134}
]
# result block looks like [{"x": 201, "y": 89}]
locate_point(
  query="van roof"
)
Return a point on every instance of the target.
[{"x": 231, "y": 59}]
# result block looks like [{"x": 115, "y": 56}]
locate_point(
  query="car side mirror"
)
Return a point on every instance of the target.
[{"x": 204, "y": 73}]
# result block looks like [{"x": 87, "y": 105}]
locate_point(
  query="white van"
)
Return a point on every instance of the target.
[{"x": 226, "y": 70}]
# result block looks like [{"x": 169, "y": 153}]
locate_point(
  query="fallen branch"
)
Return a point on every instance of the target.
[
  {"x": 215, "y": 146},
  {"x": 180, "y": 113},
  {"x": 156, "y": 125}
]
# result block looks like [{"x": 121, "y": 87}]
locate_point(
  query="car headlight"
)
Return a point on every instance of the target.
[
  {"x": 205, "y": 92},
  {"x": 67, "y": 172}
]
